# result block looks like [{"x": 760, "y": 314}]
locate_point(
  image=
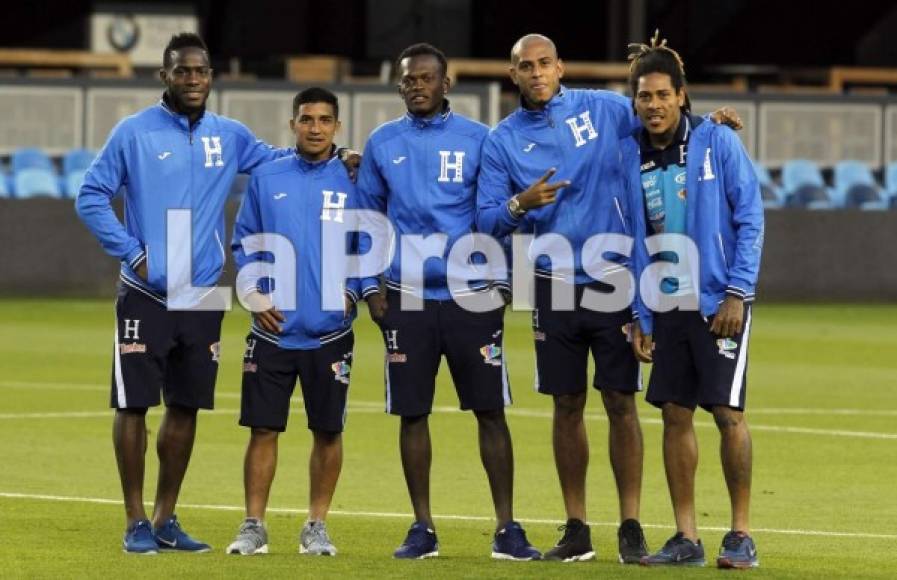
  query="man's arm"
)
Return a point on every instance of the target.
[
  {"x": 254, "y": 152},
  {"x": 102, "y": 181},
  {"x": 372, "y": 195},
  {"x": 743, "y": 196}
]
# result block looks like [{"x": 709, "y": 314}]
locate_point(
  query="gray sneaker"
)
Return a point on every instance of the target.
[
  {"x": 314, "y": 540},
  {"x": 251, "y": 539}
]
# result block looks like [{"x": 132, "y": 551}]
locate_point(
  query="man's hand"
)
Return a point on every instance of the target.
[
  {"x": 727, "y": 116},
  {"x": 728, "y": 320},
  {"x": 351, "y": 159},
  {"x": 264, "y": 313},
  {"x": 541, "y": 193},
  {"x": 347, "y": 305},
  {"x": 377, "y": 306},
  {"x": 642, "y": 344},
  {"x": 142, "y": 271}
]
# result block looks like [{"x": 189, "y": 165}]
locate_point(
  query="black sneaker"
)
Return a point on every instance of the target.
[
  {"x": 678, "y": 551},
  {"x": 738, "y": 551},
  {"x": 632, "y": 542},
  {"x": 575, "y": 546}
]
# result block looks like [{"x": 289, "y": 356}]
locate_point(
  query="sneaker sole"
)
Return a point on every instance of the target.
[
  {"x": 632, "y": 560},
  {"x": 726, "y": 564},
  {"x": 577, "y": 558},
  {"x": 306, "y": 551},
  {"x": 509, "y": 557},
  {"x": 421, "y": 557},
  {"x": 236, "y": 551},
  {"x": 146, "y": 553},
  {"x": 201, "y": 551},
  {"x": 700, "y": 564}
]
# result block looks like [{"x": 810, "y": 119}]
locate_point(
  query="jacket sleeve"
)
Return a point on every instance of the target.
[
  {"x": 494, "y": 189},
  {"x": 104, "y": 177},
  {"x": 743, "y": 195},
  {"x": 622, "y": 114},
  {"x": 248, "y": 222},
  {"x": 635, "y": 224},
  {"x": 357, "y": 246},
  {"x": 254, "y": 152},
  {"x": 372, "y": 195}
]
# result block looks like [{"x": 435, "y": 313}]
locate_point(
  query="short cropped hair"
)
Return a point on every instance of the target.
[
  {"x": 316, "y": 95},
  {"x": 182, "y": 40}
]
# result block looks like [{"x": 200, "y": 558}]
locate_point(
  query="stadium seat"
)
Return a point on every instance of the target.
[
  {"x": 4, "y": 187},
  {"x": 891, "y": 183},
  {"x": 74, "y": 166},
  {"x": 804, "y": 185},
  {"x": 30, "y": 158},
  {"x": 769, "y": 191},
  {"x": 35, "y": 182},
  {"x": 856, "y": 188}
]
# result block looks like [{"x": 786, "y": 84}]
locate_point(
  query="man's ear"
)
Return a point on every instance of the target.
[{"x": 561, "y": 69}]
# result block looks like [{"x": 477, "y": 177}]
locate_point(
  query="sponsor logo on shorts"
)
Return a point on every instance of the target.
[
  {"x": 215, "y": 349},
  {"x": 539, "y": 335},
  {"x": 250, "y": 367},
  {"x": 396, "y": 357},
  {"x": 341, "y": 370},
  {"x": 132, "y": 347},
  {"x": 727, "y": 347},
  {"x": 491, "y": 354}
]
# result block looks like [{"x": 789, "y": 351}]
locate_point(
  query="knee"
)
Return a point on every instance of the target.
[
  {"x": 494, "y": 418},
  {"x": 619, "y": 406},
  {"x": 326, "y": 438},
  {"x": 263, "y": 435},
  {"x": 569, "y": 406},
  {"x": 181, "y": 413},
  {"x": 136, "y": 413},
  {"x": 728, "y": 419},
  {"x": 416, "y": 422},
  {"x": 676, "y": 417}
]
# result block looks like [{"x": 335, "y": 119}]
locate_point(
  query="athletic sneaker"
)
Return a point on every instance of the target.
[
  {"x": 420, "y": 543},
  {"x": 252, "y": 538},
  {"x": 511, "y": 544},
  {"x": 313, "y": 539},
  {"x": 678, "y": 551},
  {"x": 575, "y": 545},
  {"x": 170, "y": 537},
  {"x": 139, "y": 538},
  {"x": 738, "y": 551},
  {"x": 632, "y": 543}
]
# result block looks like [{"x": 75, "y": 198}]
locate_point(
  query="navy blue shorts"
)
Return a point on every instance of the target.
[
  {"x": 565, "y": 338},
  {"x": 416, "y": 341},
  {"x": 160, "y": 352},
  {"x": 269, "y": 378},
  {"x": 693, "y": 366}
]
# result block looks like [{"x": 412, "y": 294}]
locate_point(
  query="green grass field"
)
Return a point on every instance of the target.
[{"x": 821, "y": 403}]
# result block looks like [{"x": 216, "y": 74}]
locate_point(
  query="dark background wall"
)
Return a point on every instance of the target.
[
  {"x": 707, "y": 33},
  {"x": 808, "y": 256}
]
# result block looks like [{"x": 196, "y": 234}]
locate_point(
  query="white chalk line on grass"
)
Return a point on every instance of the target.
[
  {"x": 456, "y": 517},
  {"x": 374, "y": 407}
]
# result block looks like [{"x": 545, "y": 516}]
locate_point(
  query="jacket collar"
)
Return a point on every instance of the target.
[
  {"x": 308, "y": 166},
  {"x": 436, "y": 121},
  {"x": 683, "y": 132},
  {"x": 556, "y": 101},
  {"x": 179, "y": 118}
]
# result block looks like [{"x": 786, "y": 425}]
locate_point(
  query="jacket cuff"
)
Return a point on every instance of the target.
[
  {"x": 135, "y": 257},
  {"x": 369, "y": 290},
  {"x": 353, "y": 296},
  {"x": 740, "y": 291}
]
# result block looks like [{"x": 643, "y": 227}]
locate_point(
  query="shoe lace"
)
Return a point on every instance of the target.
[
  {"x": 633, "y": 535},
  {"x": 732, "y": 540},
  {"x": 569, "y": 532}
]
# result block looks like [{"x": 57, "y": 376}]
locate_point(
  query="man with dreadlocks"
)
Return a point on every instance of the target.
[{"x": 696, "y": 181}]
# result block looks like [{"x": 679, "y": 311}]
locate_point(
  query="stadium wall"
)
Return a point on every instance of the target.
[{"x": 817, "y": 256}]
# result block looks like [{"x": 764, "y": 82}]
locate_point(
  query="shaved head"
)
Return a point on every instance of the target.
[{"x": 530, "y": 40}]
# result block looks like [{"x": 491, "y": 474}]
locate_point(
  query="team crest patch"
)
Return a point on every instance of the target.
[
  {"x": 491, "y": 354},
  {"x": 341, "y": 370},
  {"x": 132, "y": 347},
  {"x": 215, "y": 349},
  {"x": 727, "y": 347}
]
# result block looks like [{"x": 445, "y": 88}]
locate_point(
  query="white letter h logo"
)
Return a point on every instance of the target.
[
  {"x": 329, "y": 204},
  {"x": 457, "y": 166},
  {"x": 131, "y": 326},
  {"x": 578, "y": 130},
  {"x": 213, "y": 151}
]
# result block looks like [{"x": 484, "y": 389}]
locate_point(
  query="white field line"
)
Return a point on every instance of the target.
[
  {"x": 375, "y": 407},
  {"x": 457, "y": 517}
]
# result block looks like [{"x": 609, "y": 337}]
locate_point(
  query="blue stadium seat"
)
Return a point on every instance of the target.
[
  {"x": 35, "y": 182},
  {"x": 891, "y": 183},
  {"x": 74, "y": 166},
  {"x": 769, "y": 191},
  {"x": 4, "y": 187},
  {"x": 804, "y": 185},
  {"x": 31, "y": 158},
  {"x": 856, "y": 188}
]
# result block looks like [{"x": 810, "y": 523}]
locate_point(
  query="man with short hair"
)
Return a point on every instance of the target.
[
  {"x": 172, "y": 155},
  {"x": 301, "y": 198},
  {"x": 696, "y": 181},
  {"x": 421, "y": 170}
]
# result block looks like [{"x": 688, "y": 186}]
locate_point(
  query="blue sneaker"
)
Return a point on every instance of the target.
[
  {"x": 678, "y": 551},
  {"x": 139, "y": 539},
  {"x": 171, "y": 538},
  {"x": 738, "y": 551},
  {"x": 511, "y": 544},
  {"x": 420, "y": 543}
]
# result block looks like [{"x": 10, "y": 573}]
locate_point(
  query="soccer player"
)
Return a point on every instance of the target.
[
  {"x": 172, "y": 155},
  {"x": 421, "y": 170},
  {"x": 298, "y": 197},
  {"x": 696, "y": 180}
]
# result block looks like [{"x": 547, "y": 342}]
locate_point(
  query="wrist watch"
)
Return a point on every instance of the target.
[{"x": 514, "y": 207}]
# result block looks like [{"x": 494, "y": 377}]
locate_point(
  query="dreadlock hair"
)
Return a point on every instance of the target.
[
  {"x": 657, "y": 57},
  {"x": 182, "y": 40}
]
